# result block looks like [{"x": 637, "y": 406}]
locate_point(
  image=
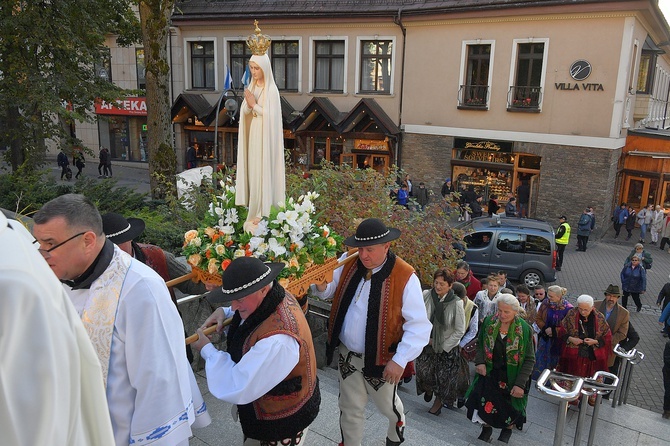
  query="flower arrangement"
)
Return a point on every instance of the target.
[{"x": 290, "y": 234}]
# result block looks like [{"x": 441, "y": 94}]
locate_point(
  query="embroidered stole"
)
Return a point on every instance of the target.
[{"x": 99, "y": 311}]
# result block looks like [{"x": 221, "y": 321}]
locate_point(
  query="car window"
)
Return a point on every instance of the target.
[
  {"x": 479, "y": 239},
  {"x": 536, "y": 244},
  {"x": 510, "y": 242}
]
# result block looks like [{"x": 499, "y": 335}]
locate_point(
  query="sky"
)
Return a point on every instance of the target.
[{"x": 665, "y": 7}]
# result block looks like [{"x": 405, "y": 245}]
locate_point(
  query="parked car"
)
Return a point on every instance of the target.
[{"x": 523, "y": 247}]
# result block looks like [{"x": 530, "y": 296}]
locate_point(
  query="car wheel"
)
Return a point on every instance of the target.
[{"x": 531, "y": 278}]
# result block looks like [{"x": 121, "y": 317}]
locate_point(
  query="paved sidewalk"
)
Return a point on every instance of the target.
[{"x": 590, "y": 272}]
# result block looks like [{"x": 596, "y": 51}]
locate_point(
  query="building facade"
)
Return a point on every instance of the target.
[{"x": 488, "y": 93}]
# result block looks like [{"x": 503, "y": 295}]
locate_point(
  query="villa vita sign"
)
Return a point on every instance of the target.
[{"x": 579, "y": 71}]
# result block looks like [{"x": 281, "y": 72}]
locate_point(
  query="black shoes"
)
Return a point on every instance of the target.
[
  {"x": 505, "y": 435},
  {"x": 428, "y": 396},
  {"x": 558, "y": 268},
  {"x": 460, "y": 402},
  {"x": 390, "y": 442},
  {"x": 638, "y": 309},
  {"x": 487, "y": 431}
]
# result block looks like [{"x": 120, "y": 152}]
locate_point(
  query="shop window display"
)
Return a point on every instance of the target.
[{"x": 485, "y": 181}]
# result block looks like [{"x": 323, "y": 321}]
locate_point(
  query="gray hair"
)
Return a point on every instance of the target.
[
  {"x": 77, "y": 210},
  {"x": 637, "y": 256},
  {"x": 585, "y": 299},
  {"x": 639, "y": 245},
  {"x": 508, "y": 299}
]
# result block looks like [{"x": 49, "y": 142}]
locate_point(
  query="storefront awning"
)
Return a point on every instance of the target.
[
  {"x": 188, "y": 105},
  {"x": 319, "y": 115},
  {"x": 368, "y": 116}
]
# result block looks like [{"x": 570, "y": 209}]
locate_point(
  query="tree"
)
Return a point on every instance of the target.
[
  {"x": 155, "y": 21},
  {"x": 48, "y": 54}
]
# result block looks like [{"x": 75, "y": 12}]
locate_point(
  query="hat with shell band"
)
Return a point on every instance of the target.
[
  {"x": 372, "y": 232},
  {"x": 244, "y": 276},
  {"x": 118, "y": 229}
]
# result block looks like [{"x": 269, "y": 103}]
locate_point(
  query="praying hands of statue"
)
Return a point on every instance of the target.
[{"x": 249, "y": 97}]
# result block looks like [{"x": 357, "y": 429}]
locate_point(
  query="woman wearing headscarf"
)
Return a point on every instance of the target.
[
  {"x": 587, "y": 340},
  {"x": 549, "y": 317},
  {"x": 260, "y": 148},
  {"x": 465, "y": 276},
  {"x": 437, "y": 365},
  {"x": 633, "y": 281},
  {"x": 505, "y": 356}
]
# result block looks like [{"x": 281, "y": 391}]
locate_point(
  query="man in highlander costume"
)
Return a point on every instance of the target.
[
  {"x": 269, "y": 370},
  {"x": 378, "y": 320},
  {"x": 135, "y": 329}
]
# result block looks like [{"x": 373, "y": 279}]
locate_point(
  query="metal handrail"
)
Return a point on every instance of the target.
[
  {"x": 563, "y": 395},
  {"x": 595, "y": 385},
  {"x": 628, "y": 360}
]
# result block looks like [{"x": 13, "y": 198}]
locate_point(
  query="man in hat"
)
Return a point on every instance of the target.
[
  {"x": 378, "y": 320},
  {"x": 269, "y": 370},
  {"x": 152, "y": 395},
  {"x": 617, "y": 318},
  {"x": 562, "y": 239}
]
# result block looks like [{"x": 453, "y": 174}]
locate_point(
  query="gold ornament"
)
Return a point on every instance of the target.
[{"x": 258, "y": 43}]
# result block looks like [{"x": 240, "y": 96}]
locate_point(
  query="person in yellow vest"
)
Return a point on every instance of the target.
[
  {"x": 269, "y": 370},
  {"x": 562, "y": 239},
  {"x": 378, "y": 320}
]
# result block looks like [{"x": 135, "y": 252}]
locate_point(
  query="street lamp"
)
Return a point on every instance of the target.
[{"x": 231, "y": 105}]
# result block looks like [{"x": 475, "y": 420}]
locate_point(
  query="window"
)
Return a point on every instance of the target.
[
  {"x": 509, "y": 242},
  {"x": 645, "y": 77},
  {"x": 239, "y": 57},
  {"x": 538, "y": 245},
  {"x": 475, "y": 90},
  {"x": 202, "y": 65},
  {"x": 141, "y": 69},
  {"x": 329, "y": 66},
  {"x": 478, "y": 239},
  {"x": 526, "y": 92},
  {"x": 376, "y": 66},
  {"x": 103, "y": 67},
  {"x": 327, "y": 149},
  {"x": 285, "y": 64}
]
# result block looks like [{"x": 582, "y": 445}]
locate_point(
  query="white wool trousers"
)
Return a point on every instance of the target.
[{"x": 355, "y": 389}]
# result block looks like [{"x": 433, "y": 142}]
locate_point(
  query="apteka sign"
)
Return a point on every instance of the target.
[{"x": 131, "y": 106}]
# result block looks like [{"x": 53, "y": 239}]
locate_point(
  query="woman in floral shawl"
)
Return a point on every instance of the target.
[
  {"x": 505, "y": 357},
  {"x": 549, "y": 317},
  {"x": 587, "y": 339}
]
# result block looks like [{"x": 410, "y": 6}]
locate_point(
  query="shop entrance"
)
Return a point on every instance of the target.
[{"x": 640, "y": 191}]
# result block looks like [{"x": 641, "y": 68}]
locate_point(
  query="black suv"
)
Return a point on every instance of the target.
[{"x": 522, "y": 247}]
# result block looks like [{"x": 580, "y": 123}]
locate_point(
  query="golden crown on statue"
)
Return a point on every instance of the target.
[{"x": 258, "y": 43}]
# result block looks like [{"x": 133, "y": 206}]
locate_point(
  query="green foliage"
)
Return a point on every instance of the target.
[
  {"x": 25, "y": 191},
  {"x": 347, "y": 196},
  {"x": 49, "y": 51}
]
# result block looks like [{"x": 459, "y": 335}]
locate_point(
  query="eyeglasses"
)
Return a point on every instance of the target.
[
  {"x": 635, "y": 260},
  {"x": 46, "y": 253}
]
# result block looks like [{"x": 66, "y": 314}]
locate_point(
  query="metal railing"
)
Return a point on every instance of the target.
[
  {"x": 548, "y": 383},
  {"x": 523, "y": 97},
  {"x": 629, "y": 359},
  {"x": 473, "y": 96}
]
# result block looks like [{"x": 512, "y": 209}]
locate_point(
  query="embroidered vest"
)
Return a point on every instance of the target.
[
  {"x": 294, "y": 403},
  {"x": 383, "y": 330}
]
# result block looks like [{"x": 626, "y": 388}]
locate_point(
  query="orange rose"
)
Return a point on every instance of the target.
[
  {"x": 190, "y": 235},
  {"x": 194, "y": 259},
  {"x": 225, "y": 263},
  {"x": 229, "y": 243},
  {"x": 210, "y": 232},
  {"x": 215, "y": 237}
]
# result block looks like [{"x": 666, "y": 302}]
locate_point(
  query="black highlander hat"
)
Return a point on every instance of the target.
[
  {"x": 244, "y": 275},
  {"x": 372, "y": 232}
]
